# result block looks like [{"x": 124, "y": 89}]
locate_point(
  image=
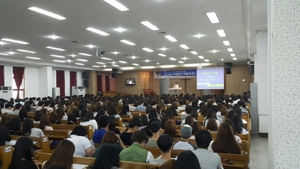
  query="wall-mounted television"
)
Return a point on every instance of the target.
[{"x": 129, "y": 81}]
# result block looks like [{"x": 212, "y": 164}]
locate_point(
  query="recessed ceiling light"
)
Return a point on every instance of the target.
[
  {"x": 212, "y": 16},
  {"x": 102, "y": 63},
  {"x": 184, "y": 46},
  {"x": 167, "y": 66},
  {"x": 191, "y": 65},
  {"x": 184, "y": 58},
  {"x": 214, "y": 51},
  {"x": 171, "y": 38},
  {"x": 97, "y": 31},
  {"x": 91, "y": 46},
  {"x": 229, "y": 49},
  {"x": 2, "y": 43},
  {"x": 161, "y": 54},
  {"x": 58, "y": 56},
  {"x": 82, "y": 60},
  {"x": 163, "y": 48},
  {"x": 73, "y": 55},
  {"x": 180, "y": 61},
  {"x": 117, "y": 5},
  {"x": 157, "y": 63},
  {"x": 147, "y": 49},
  {"x": 5, "y": 54},
  {"x": 232, "y": 54},
  {"x": 194, "y": 53},
  {"x": 96, "y": 66},
  {"x": 147, "y": 60},
  {"x": 206, "y": 60},
  {"x": 104, "y": 58},
  {"x": 69, "y": 60},
  {"x": 150, "y": 25},
  {"x": 84, "y": 54},
  {"x": 135, "y": 64},
  {"x": 14, "y": 41},
  {"x": 234, "y": 58},
  {"x": 127, "y": 42},
  {"x": 201, "y": 57},
  {"x": 26, "y": 51},
  {"x": 199, "y": 36},
  {"x": 222, "y": 59},
  {"x": 173, "y": 59},
  {"x": 226, "y": 42},
  {"x": 81, "y": 64},
  {"x": 54, "y": 37},
  {"x": 221, "y": 33},
  {"x": 147, "y": 67},
  {"x": 47, "y": 13},
  {"x": 34, "y": 58},
  {"x": 115, "y": 52},
  {"x": 121, "y": 61},
  {"x": 11, "y": 53},
  {"x": 115, "y": 65},
  {"x": 108, "y": 69},
  {"x": 133, "y": 57},
  {"x": 120, "y": 29},
  {"x": 127, "y": 68},
  {"x": 55, "y": 48},
  {"x": 60, "y": 61}
]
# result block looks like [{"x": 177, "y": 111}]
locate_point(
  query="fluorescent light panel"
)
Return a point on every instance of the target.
[
  {"x": 149, "y": 25},
  {"x": 171, "y": 38},
  {"x": 102, "y": 63},
  {"x": 55, "y": 48},
  {"x": 53, "y": 37},
  {"x": 117, "y": 5},
  {"x": 206, "y": 60},
  {"x": 201, "y": 57},
  {"x": 100, "y": 32},
  {"x": 180, "y": 61},
  {"x": 47, "y": 13},
  {"x": 226, "y": 42},
  {"x": 173, "y": 59},
  {"x": 15, "y": 41},
  {"x": 167, "y": 66},
  {"x": 82, "y": 60},
  {"x": 84, "y": 54},
  {"x": 26, "y": 51},
  {"x": 229, "y": 49},
  {"x": 221, "y": 33},
  {"x": 127, "y": 42},
  {"x": 234, "y": 58},
  {"x": 96, "y": 66},
  {"x": 34, "y": 58},
  {"x": 2, "y": 43},
  {"x": 194, "y": 53},
  {"x": 184, "y": 46},
  {"x": 232, "y": 54},
  {"x": 162, "y": 55},
  {"x": 104, "y": 58},
  {"x": 121, "y": 61},
  {"x": 58, "y": 56},
  {"x": 81, "y": 64},
  {"x": 147, "y": 49},
  {"x": 120, "y": 30},
  {"x": 135, "y": 64},
  {"x": 5, "y": 54},
  {"x": 60, "y": 61},
  {"x": 147, "y": 67},
  {"x": 212, "y": 16},
  {"x": 191, "y": 65},
  {"x": 127, "y": 68}
]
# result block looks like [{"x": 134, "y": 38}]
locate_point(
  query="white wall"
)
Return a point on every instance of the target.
[
  {"x": 45, "y": 81},
  {"x": 53, "y": 78},
  {"x": 67, "y": 83},
  {"x": 32, "y": 82},
  {"x": 8, "y": 75},
  {"x": 79, "y": 79}
]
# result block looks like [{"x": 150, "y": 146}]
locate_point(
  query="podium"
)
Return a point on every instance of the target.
[{"x": 174, "y": 91}]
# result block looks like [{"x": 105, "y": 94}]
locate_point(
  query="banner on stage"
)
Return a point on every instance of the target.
[{"x": 175, "y": 74}]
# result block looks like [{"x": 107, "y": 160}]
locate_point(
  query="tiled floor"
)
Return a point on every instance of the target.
[{"x": 259, "y": 152}]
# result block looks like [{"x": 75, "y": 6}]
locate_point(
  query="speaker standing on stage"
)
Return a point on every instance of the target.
[{"x": 176, "y": 86}]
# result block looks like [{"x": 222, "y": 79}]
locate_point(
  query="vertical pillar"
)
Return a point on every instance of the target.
[
  {"x": 67, "y": 83},
  {"x": 8, "y": 75},
  {"x": 45, "y": 81},
  {"x": 262, "y": 80},
  {"x": 283, "y": 85}
]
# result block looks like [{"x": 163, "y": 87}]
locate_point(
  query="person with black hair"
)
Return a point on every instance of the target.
[
  {"x": 163, "y": 122},
  {"x": 113, "y": 124},
  {"x": 187, "y": 160},
  {"x": 40, "y": 105},
  {"x": 18, "y": 107},
  {"x": 211, "y": 114},
  {"x": 152, "y": 114},
  {"x": 83, "y": 146},
  {"x": 154, "y": 128},
  {"x": 103, "y": 122},
  {"x": 89, "y": 120},
  {"x": 8, "y": 109},
  {"x": 29, "y": 129},
  {"x": 4, "y": 136},
  {"x": 125, "y": 110},
  {"x": 107, "y": 158},
  {"x": 207, "y": 159},
  {"x": 22, "y": 155},
  {"x": 134, "y": 125},
  {"x": 164, "y": 143},
  {"x": 71, "y": 119},
  {"x": 37, "y": 117},
  {"x": 136, "y": 152}
]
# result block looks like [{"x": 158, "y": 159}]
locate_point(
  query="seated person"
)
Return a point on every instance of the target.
[
  {"x": 18, "y": 107},
  {"x": 83, "y": 146},
  {"x": 8, "y": 109},
  {"x": 164, "y": 143},
  {"x": 154, "y": 128},
  {"x": 103, "y": 122},
  {"x": 186, "y": 133},
  {"x": 207, "y": 159},
  {"x": 134, "y": 125},
  {"x": 136, "y": 152}
]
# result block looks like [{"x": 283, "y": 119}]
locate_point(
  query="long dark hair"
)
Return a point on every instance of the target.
[
  {"x": 45, "y": 121},
  {"x": 187, "y": 160},
  {"x": 23, "y": 114},
  {"x": 23, "y": 150},
  {"x": 107, "y": 158},
  {"x": 62, "y": 155},
  {"x": 27, "y": 126},
  {"x": 89, "y": 116}
]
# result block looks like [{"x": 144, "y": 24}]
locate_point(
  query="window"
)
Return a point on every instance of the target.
[{"x": 22, "y": 88}]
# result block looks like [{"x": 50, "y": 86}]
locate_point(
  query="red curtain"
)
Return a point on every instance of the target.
[
  {"x": 99, "y": 83},
  {"x": 73, "y": 79},
  {"x": 60, "y": 81},
  {"x": 18, "y": 76},
  {"x": 1, "y": 75},
  {"x": 107, "y": 88}
]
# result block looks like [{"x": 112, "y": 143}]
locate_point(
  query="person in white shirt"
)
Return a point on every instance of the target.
[
  {"x": 8, "y": 109},
  {"x": 88, "y": 120},
  {"x": 29, "y": 129},
  {"x": 186, "y": 132},
  {"x": 18, "y": 107},
  {"x": 83, "y": 146},
  {"x": 164, "y": 143},
  {"x": 211, "y": 114}
]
